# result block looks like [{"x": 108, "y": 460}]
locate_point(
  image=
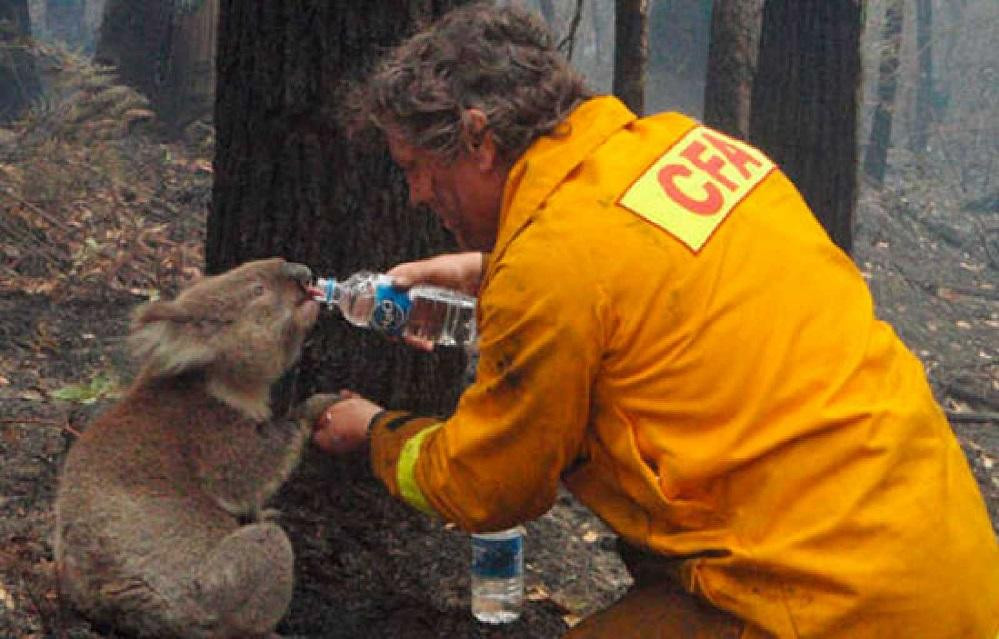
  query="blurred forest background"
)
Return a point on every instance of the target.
[{"x": 144, "y": 142}]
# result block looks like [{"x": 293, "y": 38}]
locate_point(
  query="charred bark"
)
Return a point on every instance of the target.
[{"x": 804, "y": 110}]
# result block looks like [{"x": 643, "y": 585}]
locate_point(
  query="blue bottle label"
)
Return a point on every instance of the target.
[
  {"x": 497, "y": 558},
  {"x": 391, "y": 309}
]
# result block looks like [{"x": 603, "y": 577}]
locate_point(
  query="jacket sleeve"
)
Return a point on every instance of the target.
[{"x": 496, "y": 462}]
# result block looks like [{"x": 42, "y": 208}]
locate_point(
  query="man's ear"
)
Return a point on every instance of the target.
[{"x": 478, "y": 139}]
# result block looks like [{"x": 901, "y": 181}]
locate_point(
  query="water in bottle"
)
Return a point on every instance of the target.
[
  {"x": 439, "y": 315},
  {"x": 442, "y": 316},
  {"x": 498, "y": 575}
]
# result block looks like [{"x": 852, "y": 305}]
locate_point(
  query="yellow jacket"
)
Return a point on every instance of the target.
[{"x": 666, "y": 328}]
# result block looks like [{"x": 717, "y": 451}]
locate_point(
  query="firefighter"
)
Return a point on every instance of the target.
[{"x": 666, "y": 330}]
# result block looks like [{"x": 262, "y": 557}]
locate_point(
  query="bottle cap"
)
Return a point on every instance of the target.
[{"x": 323, "y": 290}]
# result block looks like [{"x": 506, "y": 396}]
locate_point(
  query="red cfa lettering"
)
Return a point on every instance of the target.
[
  {"x": 708, "y": 206},
  {"x": 736, "y": 156},
  {"x": 711, "y": 166}
]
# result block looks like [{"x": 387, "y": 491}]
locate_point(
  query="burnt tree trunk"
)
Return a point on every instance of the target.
[
  {"x": 804, "y": 103},
  {"x": 190, "y": 83},
  {"x": 924, "y": 87},
  {"x": 876, "y": 155},
  {"x": 19, "y": 83},
  {"x": 134, "y": 38},
  {"x": 165, "y": 49},
  {"x": 288, "y": 183},
  {"x": 631, "y": 52},
  {"x": 735, "y": 41}
]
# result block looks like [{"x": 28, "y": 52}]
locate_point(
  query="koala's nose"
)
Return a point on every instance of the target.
[{"x": 298, "y": 272}]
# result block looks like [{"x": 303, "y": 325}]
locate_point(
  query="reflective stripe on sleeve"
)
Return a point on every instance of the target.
[{"x": 409, "y": 490}]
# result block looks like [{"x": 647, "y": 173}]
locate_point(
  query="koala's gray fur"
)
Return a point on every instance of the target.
[{"x": 152, "y": 497}]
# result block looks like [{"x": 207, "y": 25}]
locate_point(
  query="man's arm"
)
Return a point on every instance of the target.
[{"x": 497, "y": 461}]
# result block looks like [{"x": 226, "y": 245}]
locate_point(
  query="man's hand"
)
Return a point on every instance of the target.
[
  {"x": 458, "y": 271},
  {"x": 343, "y": 427}
]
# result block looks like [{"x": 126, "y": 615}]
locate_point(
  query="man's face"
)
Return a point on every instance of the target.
[{"x": 465, "y": 193}]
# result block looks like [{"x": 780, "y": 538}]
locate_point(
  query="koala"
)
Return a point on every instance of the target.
[{"x": 159, "y": 509}]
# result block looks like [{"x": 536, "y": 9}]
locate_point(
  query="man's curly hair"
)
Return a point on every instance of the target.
[{"x": 499, "y": 59}]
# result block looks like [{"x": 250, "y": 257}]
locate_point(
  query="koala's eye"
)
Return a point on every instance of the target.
[{"x": 257, "y": 289}]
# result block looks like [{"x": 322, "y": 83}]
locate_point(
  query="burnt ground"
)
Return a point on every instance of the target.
[
  {"x": 375, "y": 570},
  {"x": 76, "y": 202}
]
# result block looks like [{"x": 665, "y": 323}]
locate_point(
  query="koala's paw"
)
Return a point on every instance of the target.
[
  {"x": 310, "y": 410},
  {"x": 268, "y": 515}
]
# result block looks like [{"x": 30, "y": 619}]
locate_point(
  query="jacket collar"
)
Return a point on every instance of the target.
[{"x": 547, "y": 162}]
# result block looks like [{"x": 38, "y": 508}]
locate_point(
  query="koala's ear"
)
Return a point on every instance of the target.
[{"x": 160, "y": 337}]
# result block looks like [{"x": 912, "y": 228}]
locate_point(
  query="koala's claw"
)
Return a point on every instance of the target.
[{"x": 259, "y": 515}]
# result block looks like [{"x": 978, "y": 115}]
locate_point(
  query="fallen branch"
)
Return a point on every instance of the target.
[
  {"x": 26, "y": 238},
  {"x": 964, "y": 417},
  {"x": 966, "y": 394},
  {"x": 47, "y": 422},
  {"x": 63, "y": 425},
  {"x": 984, "y": 293},
  {"x": 36, "y": 210}
]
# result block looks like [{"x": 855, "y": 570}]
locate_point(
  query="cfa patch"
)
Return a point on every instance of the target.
[{"x": 691, "y": 189}]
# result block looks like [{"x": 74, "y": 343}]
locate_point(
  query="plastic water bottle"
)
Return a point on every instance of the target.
[
  {"x": 498, "y": 575},
  {"x": 439, "y": 315}
]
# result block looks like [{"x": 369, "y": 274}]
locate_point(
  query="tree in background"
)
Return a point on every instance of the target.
[
  {"x": 631, "y": 52},
  {"x": 804, "y": 103},
  {"x": 165, "y": 49},
  {"x": 19, "y": 84},
  {"x": 963, "y": 135},
  {"x": 132, "y": 38},
  {"x": 735, "y": 41},
  {"x": 190, "y": 92},
  {"x": 876, "y": 155},
  {"x": 924, "y": 88}
]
